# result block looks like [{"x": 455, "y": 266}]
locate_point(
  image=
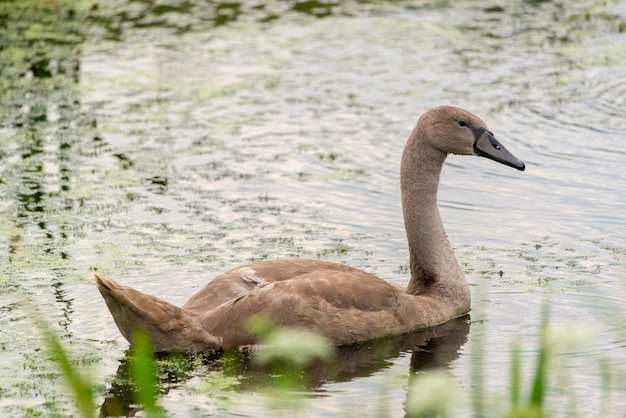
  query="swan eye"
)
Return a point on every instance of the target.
[{"x": 462, "y": 123}]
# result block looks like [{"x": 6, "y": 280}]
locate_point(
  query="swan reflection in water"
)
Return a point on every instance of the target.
[{"x": 430, "y": 348}]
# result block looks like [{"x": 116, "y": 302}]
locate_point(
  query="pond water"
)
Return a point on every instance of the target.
[{"x": 192, "y": 138}]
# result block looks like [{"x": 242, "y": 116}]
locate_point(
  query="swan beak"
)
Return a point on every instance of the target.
[{"x": 486, "y": 145}]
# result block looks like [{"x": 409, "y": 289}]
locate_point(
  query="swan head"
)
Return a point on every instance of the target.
[{"x": 456, "y": 131}]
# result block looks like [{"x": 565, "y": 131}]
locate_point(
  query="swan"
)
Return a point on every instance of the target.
[{"x": 344, "y": 304}]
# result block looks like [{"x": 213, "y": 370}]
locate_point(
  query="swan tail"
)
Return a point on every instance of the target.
[{"x": 170, "y": 328}]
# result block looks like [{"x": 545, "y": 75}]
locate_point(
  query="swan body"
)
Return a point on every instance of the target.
[{"x": 344, "y": 304}]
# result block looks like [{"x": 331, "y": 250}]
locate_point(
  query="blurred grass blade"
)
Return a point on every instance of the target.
[
  {"x": 515, "y": 374},
  {"x": 536, "y": 396},
  {"x": 143, "y": 375},
  {"x": 539, "y": 382},
  {"x": 80, "y": 387}
]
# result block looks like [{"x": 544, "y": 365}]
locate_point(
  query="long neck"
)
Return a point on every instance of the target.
[{"x": 432, "y": 259}]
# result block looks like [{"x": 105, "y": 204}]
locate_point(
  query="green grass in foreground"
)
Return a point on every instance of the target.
[{"x": 429, "y": 394}]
